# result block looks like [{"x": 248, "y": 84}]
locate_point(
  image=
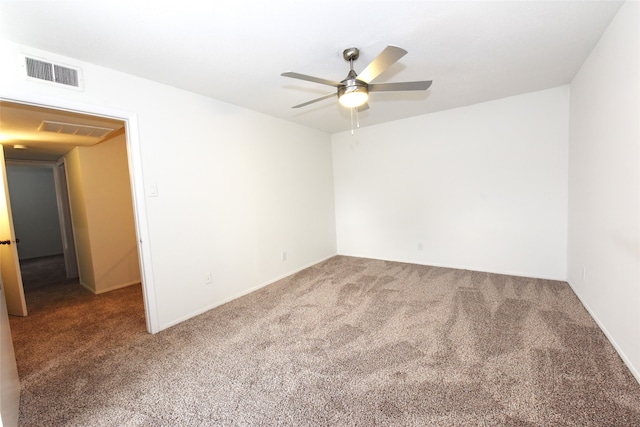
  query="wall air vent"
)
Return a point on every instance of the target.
[
  {"x": 53, "y": 73},
  {"x": 74, "y": 129}
]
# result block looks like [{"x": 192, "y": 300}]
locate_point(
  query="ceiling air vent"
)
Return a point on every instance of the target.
[
  {"x": 54, "y": 73},
  {"x": 74, "y": 129}
]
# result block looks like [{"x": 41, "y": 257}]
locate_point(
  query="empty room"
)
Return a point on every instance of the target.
[{"x": 414, "y": 213}]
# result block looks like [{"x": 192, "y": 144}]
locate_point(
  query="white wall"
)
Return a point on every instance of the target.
[
  {"x": 235, "y": 187},
  {"x": 35, "y": 210},
  {"x": 107, "y": 191},
  {"x": 604, "y": 184},
  {"x": 102, "y": 212},
  {"x": 482, "y": 187},
  {"x": 80, "y": 219}
]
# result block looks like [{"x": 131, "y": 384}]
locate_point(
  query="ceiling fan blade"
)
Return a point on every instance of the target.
[
  {"x": 314, "y": 100},
  {"x": 310, "y": 78},
  {"x": 387, "y": 58},
  {"x": 386, "y": 87}
]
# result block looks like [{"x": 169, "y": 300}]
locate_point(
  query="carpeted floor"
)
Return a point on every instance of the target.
[
  {"x": 348, "y": 342},
  {"x": 43, "y": 271}
]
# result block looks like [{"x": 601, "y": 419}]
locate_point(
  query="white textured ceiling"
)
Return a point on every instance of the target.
[{"x": 235, "y": 50}]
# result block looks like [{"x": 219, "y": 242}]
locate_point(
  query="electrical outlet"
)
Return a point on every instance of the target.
[
  {"x": 283, "y": 255},
  {"x": 420, "y": 246},
  {"x": 208, "y": 279}
]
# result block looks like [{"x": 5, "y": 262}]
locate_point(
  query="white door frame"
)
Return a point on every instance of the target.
[
  {"x": 137, "y": 186},
  {"x": 64, "y": 214}
]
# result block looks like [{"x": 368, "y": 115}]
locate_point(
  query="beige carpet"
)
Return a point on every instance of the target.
[{"x": 348, "y": 342}]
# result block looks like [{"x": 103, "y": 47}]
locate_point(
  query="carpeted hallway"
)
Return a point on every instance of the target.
[
  {"x": 349, "y": 341},
  {"x": 43, "y": 271}
]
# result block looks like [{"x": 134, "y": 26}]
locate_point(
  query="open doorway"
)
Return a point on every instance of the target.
[
  {"x": 78, "y": 159},
  {"x": 41, "y": 218}
]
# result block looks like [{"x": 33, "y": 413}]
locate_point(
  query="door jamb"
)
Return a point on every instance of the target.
[{"x": 137, "y": 187}]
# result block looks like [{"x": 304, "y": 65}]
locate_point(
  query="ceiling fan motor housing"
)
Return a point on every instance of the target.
[{"x": 352, "y": 85}]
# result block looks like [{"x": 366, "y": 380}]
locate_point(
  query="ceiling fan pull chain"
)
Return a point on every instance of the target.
[
  {"x": 357, "y": 117},
  {"x": 352, "y": 120}
]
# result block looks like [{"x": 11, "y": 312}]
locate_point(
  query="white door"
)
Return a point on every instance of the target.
[
  {"x": 9, "y": 383},
  {"x": 9, "y": 263}
]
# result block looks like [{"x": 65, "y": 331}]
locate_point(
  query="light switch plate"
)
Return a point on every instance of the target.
[{"x": 153, "y": 190}]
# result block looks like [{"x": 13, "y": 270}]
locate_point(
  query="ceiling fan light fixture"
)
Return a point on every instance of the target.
[{"x": 353, "y": 96}]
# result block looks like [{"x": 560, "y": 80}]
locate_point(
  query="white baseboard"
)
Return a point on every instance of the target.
[
  {"x": 118, "y": 286},
  {"x": 87, "y": 287},
  {"x": 459, "y": 267},
  {"x": 623, "y": 356},
  {"x": 619, "y": 350},
  {"x": 110, "y": 288},
  {"x": 240, "y": 294}
]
